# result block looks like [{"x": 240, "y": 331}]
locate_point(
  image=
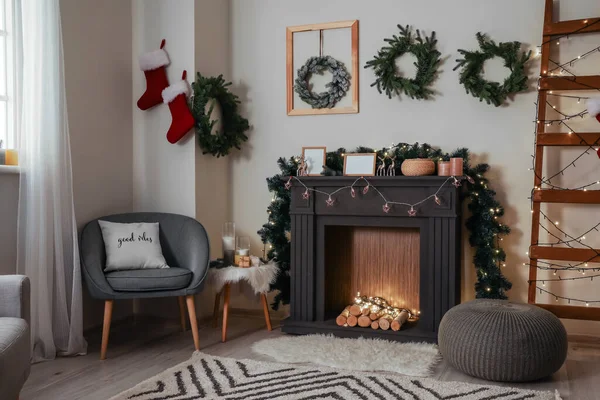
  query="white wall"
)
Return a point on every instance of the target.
[
  {"x": 179, "y": 178},
  {"x": 98, "y": 81},
  {"x": 500, "y": 136},
  {"x": 163, "y": 173}
]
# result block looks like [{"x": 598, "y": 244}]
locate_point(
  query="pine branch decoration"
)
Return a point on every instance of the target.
[
  {"x": 472, "y": 63},
  {"x": 428, "y": 60}
]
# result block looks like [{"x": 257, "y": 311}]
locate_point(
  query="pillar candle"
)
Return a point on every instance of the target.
[
  {"x": 444, "y": 168},
  {"x": 456, "y": 166}
]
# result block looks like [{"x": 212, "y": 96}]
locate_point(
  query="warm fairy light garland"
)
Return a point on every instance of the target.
[
  {"x": 386, "y": 206},
  {"x": 379, "y": 304},
  {"x": 570, "y": 299}
]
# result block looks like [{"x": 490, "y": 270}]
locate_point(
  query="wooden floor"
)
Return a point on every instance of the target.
[{"x": 138, "y": 351}]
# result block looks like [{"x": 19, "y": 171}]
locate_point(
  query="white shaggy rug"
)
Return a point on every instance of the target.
[
  {"x": 209, "y": 377},
  {"x": 414, "y": 359}
]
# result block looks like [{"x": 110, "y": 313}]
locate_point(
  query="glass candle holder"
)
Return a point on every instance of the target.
[
  {"x": 228, "y": 237},
  {"x": 242, "y": 246}
]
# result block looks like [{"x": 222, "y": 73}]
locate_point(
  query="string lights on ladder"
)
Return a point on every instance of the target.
[{"x": 561, "y": 71}]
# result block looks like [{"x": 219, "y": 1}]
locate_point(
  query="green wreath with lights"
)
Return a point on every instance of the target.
[
  {"x": 234, "y": 125},
  {"x": 483, "y": 224},
  {"x": 428, "y": 60},
  {"x": 471, "y": 74}
]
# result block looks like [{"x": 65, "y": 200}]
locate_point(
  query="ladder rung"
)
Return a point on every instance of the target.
[
  {"x": 589, "y": 82},
  {"x": 567, "y": 196},
  {"x": 563, "y": 27},
  {"x": 565, "y": 139},
  {"x": 563, "y": 254},
  {"x": 572, "y": 312}
]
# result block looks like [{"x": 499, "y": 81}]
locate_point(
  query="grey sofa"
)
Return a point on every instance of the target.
[
  {"x": 15, "y": 349},
  {"x": 186, "y": 249}
]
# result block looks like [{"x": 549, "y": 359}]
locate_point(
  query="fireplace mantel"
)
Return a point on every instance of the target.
[{"x": 439, "y": 253}]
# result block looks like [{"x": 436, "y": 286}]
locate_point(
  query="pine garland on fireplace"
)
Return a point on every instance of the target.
[{"x": 483, "y": 223}]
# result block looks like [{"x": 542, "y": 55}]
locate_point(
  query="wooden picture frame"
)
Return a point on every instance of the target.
[
  {"x": 290, "y": 73},
  {"x": 312, "y": 152},
  {"x": 360, "y": 164}
]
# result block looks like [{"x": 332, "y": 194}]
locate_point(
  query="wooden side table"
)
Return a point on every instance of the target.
[
  {"x": 226, "y": 291},
  {"x": 258, "y": 276}
]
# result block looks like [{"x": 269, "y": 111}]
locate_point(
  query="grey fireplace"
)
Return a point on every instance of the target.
[{"x": 354, "y": 246}]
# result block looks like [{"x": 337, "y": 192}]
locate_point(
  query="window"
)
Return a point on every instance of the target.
[{"x": 7, "y": 76}]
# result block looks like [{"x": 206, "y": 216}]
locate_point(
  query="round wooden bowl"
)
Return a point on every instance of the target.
[{"x": 418, "y": 167}]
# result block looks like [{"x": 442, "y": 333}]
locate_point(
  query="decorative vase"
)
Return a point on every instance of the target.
[
  {"x": 418, "y": 167},
  {"x": 444, "y": 168},
  {"x": 456, "y": 166}
]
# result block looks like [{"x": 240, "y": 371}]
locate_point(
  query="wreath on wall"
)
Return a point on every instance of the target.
[
  {"x": 339, "y": 85},
  {"x": 484, "y": 227},
  {"x": 471, "y": 75},
  {"x": 428, "y": 60},
  {"x": 234, "y": 125}
]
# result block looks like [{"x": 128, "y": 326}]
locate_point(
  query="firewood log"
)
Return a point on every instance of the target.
[
  {"x": 376, "y": 315},
  {"x": 366, "y": 311},
  {"x": 375, "y": 325},
  {"x": 364, "y": 321},
  {"x": 352, "y": 320},
  {"x": 399, "y": 320},
  {"x": 341, "y": 319},
  {"x": 384, "y": 322},
  {"x": 355, "y": 310}
]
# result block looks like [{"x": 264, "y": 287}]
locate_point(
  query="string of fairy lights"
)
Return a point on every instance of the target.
[{"x": 560, "y": 70}]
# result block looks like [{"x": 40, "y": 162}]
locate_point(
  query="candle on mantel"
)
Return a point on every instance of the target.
[
  {"x": 444, "y": 168},
  {"x": 456, "y": 166}
]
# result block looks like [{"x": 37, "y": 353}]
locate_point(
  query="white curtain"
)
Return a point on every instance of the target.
[{"x": 47, "y": 242}]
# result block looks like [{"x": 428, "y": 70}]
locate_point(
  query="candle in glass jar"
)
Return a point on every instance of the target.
[
  {"x": 228, "y": 242},
  {"x": 444, "y": 168},
  {"x": 456, "y": 166}
]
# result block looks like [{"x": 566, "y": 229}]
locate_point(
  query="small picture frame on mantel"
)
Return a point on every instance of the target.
[
  {"x": 314, "y": 157},
  {"x": 360, "y": 164}
]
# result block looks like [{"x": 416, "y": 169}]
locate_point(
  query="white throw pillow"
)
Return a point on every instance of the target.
[{"x": 132, "y": 246}]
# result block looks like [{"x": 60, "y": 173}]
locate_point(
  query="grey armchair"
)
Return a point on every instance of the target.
[
  {"x": 15, "y": 349},
  {"x": 186, "y": 249}
]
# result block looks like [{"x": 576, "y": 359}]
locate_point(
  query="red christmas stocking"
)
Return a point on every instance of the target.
[
  {"x": 153, "y": 64},
  {"x": 182, "y": 118}
]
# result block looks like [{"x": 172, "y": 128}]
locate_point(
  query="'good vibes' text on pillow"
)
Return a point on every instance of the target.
[{"x": 129, "y": 239}]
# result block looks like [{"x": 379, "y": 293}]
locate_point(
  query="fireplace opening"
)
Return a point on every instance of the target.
[{"x": 375, "y": 262}]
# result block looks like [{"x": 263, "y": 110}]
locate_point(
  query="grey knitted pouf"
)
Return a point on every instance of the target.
[{"x": 500, "y": 340}]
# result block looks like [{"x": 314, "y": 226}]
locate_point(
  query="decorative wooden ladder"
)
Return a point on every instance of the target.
[{"x": 560, "y": 83}]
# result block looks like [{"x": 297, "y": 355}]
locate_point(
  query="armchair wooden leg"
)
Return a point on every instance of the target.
[
  {"x": 216, "y": 310},
  {"x": 191, "y": 306},
  {"x": 265, "y": 305},
  {"x": 226, "y": 291},
  {"x": 108, "y": 307},
  {"x": 182, "y": 312}
]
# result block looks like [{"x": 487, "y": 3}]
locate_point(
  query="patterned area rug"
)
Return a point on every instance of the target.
[{"x": 208, "y": 377}]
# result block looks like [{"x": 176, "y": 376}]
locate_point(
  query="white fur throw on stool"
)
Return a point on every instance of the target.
[{"x": 259, "y": 277}]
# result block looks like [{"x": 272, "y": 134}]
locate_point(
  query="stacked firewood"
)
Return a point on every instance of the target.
[{"x": 374, "y": 312}]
